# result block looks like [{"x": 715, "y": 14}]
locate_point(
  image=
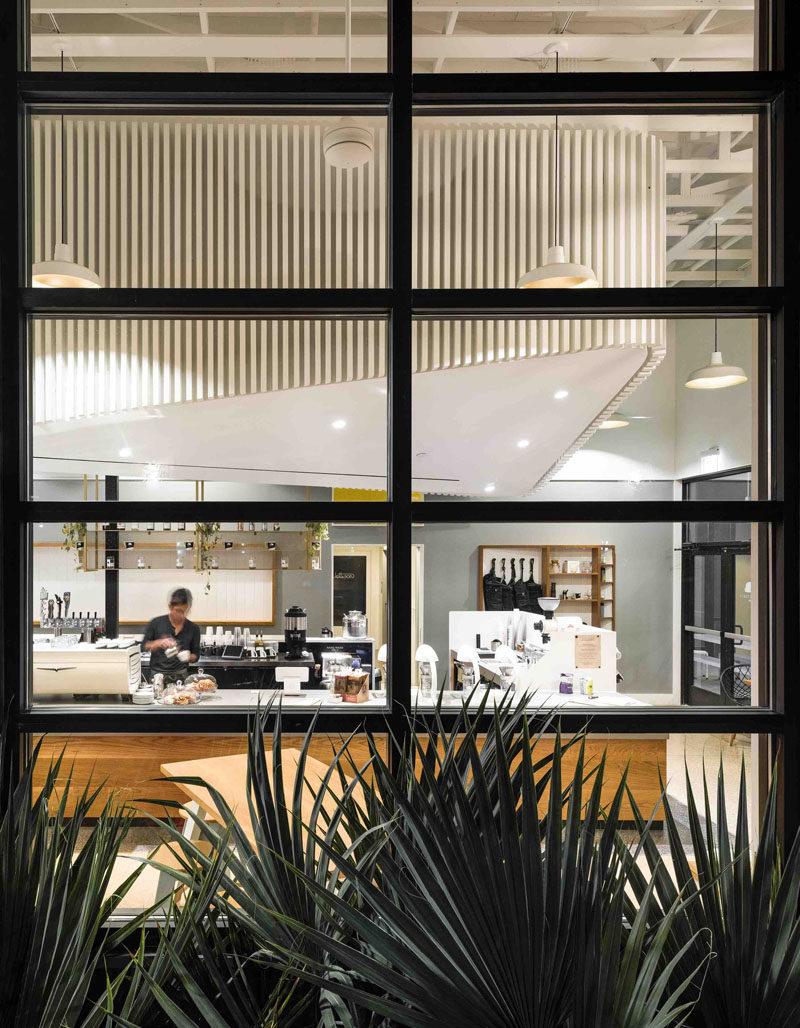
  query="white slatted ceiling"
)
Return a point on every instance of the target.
[{"x": 252, "y": 203}]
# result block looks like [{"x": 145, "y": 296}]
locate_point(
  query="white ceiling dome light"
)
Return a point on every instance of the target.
[
  {"x": 347, "y": 145},
  {"x": 557, "y": 272}
]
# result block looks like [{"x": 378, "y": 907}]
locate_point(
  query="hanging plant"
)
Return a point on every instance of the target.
[
  {"x": 207, "y": 538},
  {"x": 316, "y": 534},
  {"x": 74, "y": 533}
]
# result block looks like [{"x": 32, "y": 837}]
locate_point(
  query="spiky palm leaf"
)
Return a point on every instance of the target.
[
  {"x": 53, "y": 902},
  {"x": 475, "y": 922},
  {"x": 747, "y": 904}
]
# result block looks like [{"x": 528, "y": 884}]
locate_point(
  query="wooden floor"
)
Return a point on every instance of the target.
[{"x": 130, "y": 766}]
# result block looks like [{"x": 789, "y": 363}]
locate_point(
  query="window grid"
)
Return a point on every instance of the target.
[{"x": 403, "y": 95}]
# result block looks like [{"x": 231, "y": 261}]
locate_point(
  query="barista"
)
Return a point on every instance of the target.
[{"x": 171, "y": 639}]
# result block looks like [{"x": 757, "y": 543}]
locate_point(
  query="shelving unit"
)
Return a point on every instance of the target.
[
  {"x": 233, "y": 550},
  {"x": 599, "y": 606}
]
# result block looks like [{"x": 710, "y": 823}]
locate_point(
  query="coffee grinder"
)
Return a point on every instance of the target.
[{"x": 295, "y": 625}]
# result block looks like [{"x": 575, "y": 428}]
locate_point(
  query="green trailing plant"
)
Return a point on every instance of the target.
[
  {"x": 207, "y": 538},
  {"x": 74, "y": 539},
  {"x": 54, "y": 896},
  {"x": 316, "y": 535},
  {"x": 746, "y": 903}
]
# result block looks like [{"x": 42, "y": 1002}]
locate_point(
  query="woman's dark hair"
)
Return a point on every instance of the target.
[{"x": 180, "y": 598}]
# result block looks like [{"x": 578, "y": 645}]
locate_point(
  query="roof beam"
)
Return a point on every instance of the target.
[
  {"x": 448, "y": 31},
  {"x": 744, "y": 198},
  {"x": 465, "y": 7},
  {"x": 712, "y": 165},
  {"x": 425, "y": 47}
]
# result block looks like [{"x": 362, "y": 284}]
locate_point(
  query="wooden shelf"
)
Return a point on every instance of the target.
[{"x": 550, "y": 579}]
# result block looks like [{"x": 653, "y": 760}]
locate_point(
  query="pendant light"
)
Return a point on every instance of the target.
[
  {"x": 347, "y": 145},
  {"x": 557, "y": 272},
  {"x": 715, "y": 374},
  {"x": 63, "y": 272}
]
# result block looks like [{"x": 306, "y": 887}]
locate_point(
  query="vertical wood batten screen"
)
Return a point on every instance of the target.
[
  {"x": 485, "y": 211},
  {"x": 210, "y": 203},
  {"x": 88, "y": 367}
]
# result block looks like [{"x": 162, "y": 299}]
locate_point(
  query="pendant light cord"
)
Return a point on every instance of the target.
[
  {"x": 557, "y": 240},
  {"x": 63, "y": 173},
  {"x": 716, "y": 282},
  {"x": 348, "y": 20}
]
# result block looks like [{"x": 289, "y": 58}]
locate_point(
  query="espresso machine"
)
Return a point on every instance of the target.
[{"x": 295, "y": 626}]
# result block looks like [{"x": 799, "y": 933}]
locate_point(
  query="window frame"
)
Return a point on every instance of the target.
[{"x": 406, "y": 95}]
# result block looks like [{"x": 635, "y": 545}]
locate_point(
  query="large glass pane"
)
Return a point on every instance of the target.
[
  {"x": 252, "y": 200},
  {"x": 545, "y": 609},
  {"x": 586, "y": 410},
  {"x": 127, "y": 616},
  {"x": 632, "y": 199},
  {"x": 615, "y": 36},
  {"x": 208, "y": 409},
  {"x": 171, "y": 35}
]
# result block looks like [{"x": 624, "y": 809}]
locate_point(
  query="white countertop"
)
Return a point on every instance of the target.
[{"x": 549, "y": 699}]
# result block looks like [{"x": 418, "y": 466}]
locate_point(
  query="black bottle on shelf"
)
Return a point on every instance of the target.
[{"x": 492, "y": 589}]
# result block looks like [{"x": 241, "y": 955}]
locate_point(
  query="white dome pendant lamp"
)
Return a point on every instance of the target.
[
  {"x": 347, "y": 145},
  {"x": 715, "y": 374},
  {"x": 63, "y": 272},
  {"x": 557, "y": 272}
]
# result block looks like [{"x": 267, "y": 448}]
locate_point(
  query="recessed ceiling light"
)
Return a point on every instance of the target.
[
  {"x": 523, "y": 444},
  {"x": 339, "y": 424},
  {"x": 490, "y": 488},
  {"x": 126, "y": 451},
  {"x": 562, "y": 394}
]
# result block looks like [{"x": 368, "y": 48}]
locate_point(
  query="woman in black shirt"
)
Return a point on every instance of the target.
[{"x": 172, "y": 640}]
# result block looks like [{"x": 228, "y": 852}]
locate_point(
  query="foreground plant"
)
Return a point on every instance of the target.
[
  {"x": 53, "y": 902},
  {"x": 437, "y": 893},
  {"x": 746, "y": 904}
]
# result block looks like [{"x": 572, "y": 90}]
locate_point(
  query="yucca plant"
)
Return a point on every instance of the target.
[
  {"x": 195, "y": 969},
  {"x": 747, "y": 904},
  {"x": 53, "y": 896},
  {"x": 263, "y": 892},
  {"x": 482, "y": 916},
  {"x": 442, "y": 896}
]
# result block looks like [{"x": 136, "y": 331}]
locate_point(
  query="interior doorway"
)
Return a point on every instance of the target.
[
  {"x": 360, "y": 583},
  {"x": 716, "y": 592}
]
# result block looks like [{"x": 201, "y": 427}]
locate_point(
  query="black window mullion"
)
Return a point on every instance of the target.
[
  {"x": 400, "y": 367},
  {"x": 14, "y": 588}
]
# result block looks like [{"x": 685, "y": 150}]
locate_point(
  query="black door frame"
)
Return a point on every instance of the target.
[{"x": 727, "y": 552}]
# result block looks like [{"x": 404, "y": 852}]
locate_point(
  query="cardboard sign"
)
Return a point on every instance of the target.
[{"x": 587, "y": 650}]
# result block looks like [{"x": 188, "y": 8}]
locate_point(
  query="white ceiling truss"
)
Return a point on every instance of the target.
[{"x": 449, "y": 35}]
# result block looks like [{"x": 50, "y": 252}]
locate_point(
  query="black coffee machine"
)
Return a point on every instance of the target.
[{"x": 295, "y": 625}]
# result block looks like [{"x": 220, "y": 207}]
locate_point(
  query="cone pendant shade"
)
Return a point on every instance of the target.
[
  {"x": 558, "y": 273},
  {"x": 716, "y": 375},
  {"x": 63, "y": 273}
]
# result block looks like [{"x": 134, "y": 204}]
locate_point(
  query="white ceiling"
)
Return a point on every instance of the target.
[{"x": 467, "y": 421}]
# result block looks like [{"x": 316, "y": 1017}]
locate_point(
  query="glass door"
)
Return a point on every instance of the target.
[{"x": 716, "y": 624}]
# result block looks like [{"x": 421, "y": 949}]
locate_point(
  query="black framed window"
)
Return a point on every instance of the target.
[{"x": 404, "y": 299}]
